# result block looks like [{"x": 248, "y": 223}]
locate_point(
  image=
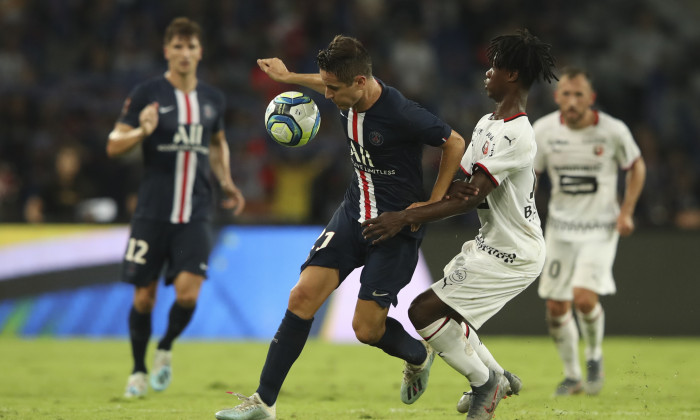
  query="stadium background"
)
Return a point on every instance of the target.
[{"x": 67, "y": 65}]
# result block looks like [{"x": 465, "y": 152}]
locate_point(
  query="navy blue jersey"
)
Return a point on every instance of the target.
[
  {"x": 386, "y": 149},
  {"x": 175, "y": 185}
]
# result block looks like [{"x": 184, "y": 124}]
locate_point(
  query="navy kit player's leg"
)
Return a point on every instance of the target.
[
  {"x": 313, "y": 288},
  {"x": 189, "y": 247},
  {"x": 338, "y": 251},
  {"x": 143, "y": 259},
  {"x": 139, "y": 335},
  {"x": 389, "y": 267}
]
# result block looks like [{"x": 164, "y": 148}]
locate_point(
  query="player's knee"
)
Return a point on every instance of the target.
[
  {"x": 301, "y": 302},
  {"x": 422, "y": 311},
  {"x": 585, "y": 300},
  {"x": 144, "y": 303},
  {"x": 415, "y": 312},
  {"x": 584, "y": 304},
  {"x": 366, "y": 334},
  {"x": 557, "y": 308}
]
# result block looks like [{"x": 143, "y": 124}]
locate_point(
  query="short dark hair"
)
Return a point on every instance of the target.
[
  {"x": 183, "y": 27},
  {"x": 524, "y": 53},
  {"x": 345, "y": 57},
  {"x": 573, "y": 71}
]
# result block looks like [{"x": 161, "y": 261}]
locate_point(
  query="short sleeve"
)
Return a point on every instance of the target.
[
  {"x": 133, "y": 104},
  {"x": 510, "y": 153},
  {"x": 541, "y": 155},
  {"x": 430, "y": 129},
  {"x": 627, "y": 150},
  {"x": 466, "y": 163}
]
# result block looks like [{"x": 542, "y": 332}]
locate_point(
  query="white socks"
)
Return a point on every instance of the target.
[
  {"x": 592, "y": 327},
  {"x": 481, "y": 350},
  {"x": 447, "y": 338},
  {"x": 565, "y": 334}
]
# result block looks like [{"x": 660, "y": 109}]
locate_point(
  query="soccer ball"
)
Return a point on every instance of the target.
[{"x": 292, "y": 119}]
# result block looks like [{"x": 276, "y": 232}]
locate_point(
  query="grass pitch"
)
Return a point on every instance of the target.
[{"x": 84, "y": 379}]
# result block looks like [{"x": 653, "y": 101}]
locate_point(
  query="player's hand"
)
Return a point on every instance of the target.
[
  {"x": 416, "y": 226},
  {"x": 274, "y": 68},
  {"x": 625, "y": 224},
  {"x": 384, "y": 226},
  {"x": 233, "y": 198},
  {"x": 462, "y": 190},
  {"x": 148, "y": 118}
]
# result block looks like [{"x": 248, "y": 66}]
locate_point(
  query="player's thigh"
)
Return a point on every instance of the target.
[
  {"x": 313, "y": 288},
  {"x": 556, "y": 278},
  {"x": 146, "y": 252},
  {"x": 389, "y": 267},
  {"x": 189, "y": 247},
  {"x": 594, "y": 264},
  {"x": 478, "y": 284}
]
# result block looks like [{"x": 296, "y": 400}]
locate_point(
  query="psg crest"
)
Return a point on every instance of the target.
[{"x": 376, "y": 138}]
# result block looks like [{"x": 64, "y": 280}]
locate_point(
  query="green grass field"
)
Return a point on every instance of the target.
[{"x": 84, "y": 379}]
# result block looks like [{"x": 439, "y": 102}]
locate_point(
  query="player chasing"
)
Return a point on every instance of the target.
[
  {"x": 581, "y": 150},
  {"x": 177, "y": 121},
  {"x": 508, "y": 253},
  {"x": 385, "y": 134}
]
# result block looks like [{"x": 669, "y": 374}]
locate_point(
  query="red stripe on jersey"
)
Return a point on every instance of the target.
[
  {"x": 184, "y": 185},
  {"x": 465, "y": 170},
  {"x": 363, "y": 176},
  {"x": 189, "y": 108},
  {"x": 486, "y": 171},
  {"x": 354, "y": 127}
]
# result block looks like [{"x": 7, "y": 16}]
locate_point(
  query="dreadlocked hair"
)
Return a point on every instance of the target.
[{"x": 524, "y": 53}]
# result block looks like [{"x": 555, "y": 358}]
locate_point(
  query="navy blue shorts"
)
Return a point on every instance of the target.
[
  {"x": 154, "y": 247},
  {"x": 388, "y": 266}
]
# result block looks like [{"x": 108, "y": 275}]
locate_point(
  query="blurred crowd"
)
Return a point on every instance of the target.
[{"x": 66, "y": 67}]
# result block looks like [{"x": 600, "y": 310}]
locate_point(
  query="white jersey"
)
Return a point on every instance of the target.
[
  {"x": 510, "y": 226},
  {"x": 583, "y": 166}
]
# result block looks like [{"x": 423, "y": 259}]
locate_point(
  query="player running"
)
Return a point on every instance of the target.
[
  {"x": 581, "y": 149},
  {"x": 177, "y": 121}
]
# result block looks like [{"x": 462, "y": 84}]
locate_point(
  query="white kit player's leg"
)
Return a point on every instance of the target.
[
  {"x": 592, "y": 327},
  {"x": 448, "y": 340},
  {"x": 565, "y": 334},
  {"x": 488, "y": 386},
  {"x": 481, "y": 350},
  {"x": 515, "y": 383}
]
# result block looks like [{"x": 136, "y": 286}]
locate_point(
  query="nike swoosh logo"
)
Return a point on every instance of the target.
[
  {"x": 379, "y": 294},
  {"x": 166, "y": 109}
]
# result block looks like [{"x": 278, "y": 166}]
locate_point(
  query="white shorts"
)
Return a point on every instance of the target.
[
  {"x": 477, "y": 285},
  {"x": 586, "y": 264}
]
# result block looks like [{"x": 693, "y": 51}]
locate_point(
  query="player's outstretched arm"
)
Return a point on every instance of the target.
[
  {"x": 220, "y": 162},
  {"x": 633, "y": 188},
  {"x": 461, "y": 197},
  {"x": 277, "y": 71},
  {"x": 124, "y": 137}
]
